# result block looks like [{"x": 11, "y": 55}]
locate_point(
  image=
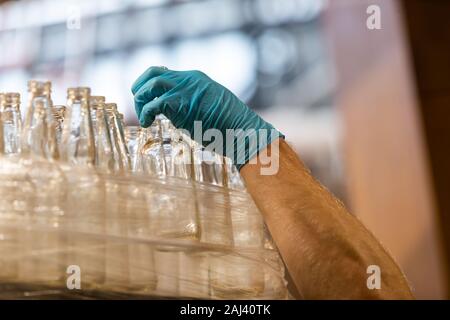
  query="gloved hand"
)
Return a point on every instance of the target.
[{"x": 188, "y": 96}]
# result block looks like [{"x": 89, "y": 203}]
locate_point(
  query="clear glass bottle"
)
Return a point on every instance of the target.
[
  {"x": 151, "y": 157},
  {"x": 132, "y": 134},
  {"x": 78, "y": 142},
  {"x": 85, "y": 215},
  {"x": 117, "y": 267},
  {"x": 58, "y": 112},
  {"x": 177, "y": 151},
  {"x": 216, "y": 225},
  {"x": 12, "y": 122},
  {"x": 104, "y": 156},
  {"x": 39, "y": 135},
  {"x": 49, "y": 207},
  {"x": 38, "y": 150},
  {"x": 233, "y": 275},
  {"x": 121, "y": 156},
  {"x": 16, "y": 203},
  {"x": 181, "y": 161}
]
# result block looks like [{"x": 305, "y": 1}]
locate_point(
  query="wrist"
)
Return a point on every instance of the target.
[{"x": 249, "y": 145}]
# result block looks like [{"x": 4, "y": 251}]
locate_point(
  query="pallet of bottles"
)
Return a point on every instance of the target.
[{"x": 93, "y": 208}]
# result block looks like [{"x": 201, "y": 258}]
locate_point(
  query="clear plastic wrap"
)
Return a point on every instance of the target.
[{"x": 131, "y": 236}]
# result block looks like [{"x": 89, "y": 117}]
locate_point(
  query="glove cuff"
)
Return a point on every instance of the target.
[{"x": 248, "y": 144}]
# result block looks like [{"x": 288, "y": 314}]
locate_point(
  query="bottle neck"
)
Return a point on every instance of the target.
[
  {"x": 9, "y": 103},
  {"x": 35, "y": 99},
  {"x": 78, "y": 144}
]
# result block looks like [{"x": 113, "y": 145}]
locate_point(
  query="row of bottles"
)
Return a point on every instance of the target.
[
  {"x": 86, "y": 132},
  {"x": 90, "y": 131}
]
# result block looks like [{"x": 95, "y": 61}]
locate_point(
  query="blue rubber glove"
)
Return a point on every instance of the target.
[{"x": 188, "y": 96}]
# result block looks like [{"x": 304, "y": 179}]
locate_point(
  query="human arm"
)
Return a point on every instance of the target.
[{"x": 326, "y": 250}]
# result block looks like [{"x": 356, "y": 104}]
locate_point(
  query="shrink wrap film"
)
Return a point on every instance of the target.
[{"x": 130, "y": 236}]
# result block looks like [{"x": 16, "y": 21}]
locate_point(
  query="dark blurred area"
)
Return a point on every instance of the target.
[{"x": 356, "y": 104}]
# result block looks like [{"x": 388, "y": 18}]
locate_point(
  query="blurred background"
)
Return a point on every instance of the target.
[
  {"x": 270, "y": 53},
  {"x": 350, "y": 100}
]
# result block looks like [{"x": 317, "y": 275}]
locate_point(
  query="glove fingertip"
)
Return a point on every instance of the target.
[
  {"x": 146, "y": 121},
  {"x": 146, "y": 117}
]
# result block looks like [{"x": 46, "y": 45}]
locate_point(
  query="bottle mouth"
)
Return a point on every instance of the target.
[
  {"x": 40, "y": 87},
  {"x": 111, "y": 107},
  {"x": 9, "y": 98},
  {"x": 79, "y": 93},
  {"x": 96, "y": 102}
]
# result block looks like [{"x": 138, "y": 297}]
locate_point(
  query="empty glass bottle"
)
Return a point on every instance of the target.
[
  {"x": 38, "y": 149},
  {"x": 49, "y": 195},
  {"x": 176, "y": 150},
  {"x": 121, "y": 157},
  {"x": 16, "y": 202},
  {"x": 116, "y": 254},
  {"x": 39, "y": 135},
  {"x": 78, "y": 143},
  {"x": 104, "y": 156},
  {"x": 12, "y": 122},
  {"x": 151, "y": 156},
  {"x": 86, "y": 196},
  {"x": 181, "y": 160},
  {"x": 132, "y": 134},
  {"x": 58, "y": 114}
]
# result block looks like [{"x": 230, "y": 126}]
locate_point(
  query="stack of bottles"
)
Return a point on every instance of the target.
[{"x": 92, "y": 208}]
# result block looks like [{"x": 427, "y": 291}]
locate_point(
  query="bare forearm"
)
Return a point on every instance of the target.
[{"x": 326, "y": 250}]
